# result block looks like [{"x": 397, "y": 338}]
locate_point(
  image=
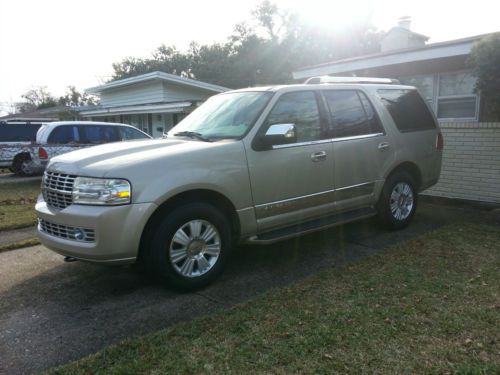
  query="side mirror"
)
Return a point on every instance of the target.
[{"x": 278, "y": 134}]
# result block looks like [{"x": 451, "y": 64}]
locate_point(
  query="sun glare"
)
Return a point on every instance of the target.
[{"x": 338, "y": 15}]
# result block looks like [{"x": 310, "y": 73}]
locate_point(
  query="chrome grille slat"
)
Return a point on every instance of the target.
[
  {"x": 66, "y": 232},
  {"x": 57, "y": 189}
]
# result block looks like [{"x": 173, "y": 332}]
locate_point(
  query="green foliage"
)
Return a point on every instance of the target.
[
  {"x": 266, "y": 52},
  {"x": 40, "y": 97},
  {"x": 75, "y": 98},
  {"x": 36, "y": 98},
  {"x": 485, "y": 61}
]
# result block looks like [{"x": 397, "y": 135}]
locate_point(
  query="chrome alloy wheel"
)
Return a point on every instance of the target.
[
  {"x": 401, "y": 201},
  {"x": 195, "y": 248}
]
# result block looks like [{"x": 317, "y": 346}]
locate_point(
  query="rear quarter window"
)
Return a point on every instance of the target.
[{"x": 407, "y": 109}]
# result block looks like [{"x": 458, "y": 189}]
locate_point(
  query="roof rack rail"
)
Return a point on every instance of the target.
[{"x": 330, "y": 79}]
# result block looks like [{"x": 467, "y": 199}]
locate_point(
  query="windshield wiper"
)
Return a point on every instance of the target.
[{"x": 193, "y": 135}]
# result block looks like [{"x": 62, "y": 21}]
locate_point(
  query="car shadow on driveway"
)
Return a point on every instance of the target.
[{"x": 53, "y": 312}]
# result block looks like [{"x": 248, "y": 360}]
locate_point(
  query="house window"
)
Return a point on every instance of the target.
[
  {"x": 424, "y": 84},
  {"x": 456, "y": 97}
]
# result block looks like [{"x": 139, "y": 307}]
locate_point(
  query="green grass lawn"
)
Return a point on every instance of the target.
[
  {"x": 21, "y": 191},
  {"x": 17, "y": 202},
  {"x": 427, "y": 306}
]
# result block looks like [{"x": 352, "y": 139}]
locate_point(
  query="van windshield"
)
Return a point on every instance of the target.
[{"x": 224, "y": 116}]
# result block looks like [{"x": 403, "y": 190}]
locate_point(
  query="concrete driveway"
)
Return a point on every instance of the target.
[{"x": 53, "y": 312}]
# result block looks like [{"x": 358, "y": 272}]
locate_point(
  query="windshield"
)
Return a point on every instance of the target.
[{"x": 224, "y": 116}]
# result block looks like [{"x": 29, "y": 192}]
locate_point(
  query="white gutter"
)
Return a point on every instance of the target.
[{"x": 135, "y": 109}]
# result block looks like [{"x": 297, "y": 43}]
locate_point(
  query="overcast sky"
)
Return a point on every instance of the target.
[{"x": 56, "y": 43}]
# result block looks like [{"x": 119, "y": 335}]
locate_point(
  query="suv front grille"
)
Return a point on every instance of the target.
[
  {"x": 57, "y": 189},
  {"x": 67, "y": 232}
]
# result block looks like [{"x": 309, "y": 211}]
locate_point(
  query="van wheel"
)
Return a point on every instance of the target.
[
  {"x": 189, "y": 247},
  {"x": 398, "y": 201},
  {"x": 23, "y": 166}
]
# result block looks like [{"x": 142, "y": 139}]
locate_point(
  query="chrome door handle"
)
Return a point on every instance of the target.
[
  {"x": 384, "y": 145},
  {"x": 318, "y": 156}
]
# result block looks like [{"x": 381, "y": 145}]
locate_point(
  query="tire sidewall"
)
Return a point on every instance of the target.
[
  {"x": 383, "y": 206},
  {"x": 158, "y": 258},
  {"x": 18, "y": 166}
]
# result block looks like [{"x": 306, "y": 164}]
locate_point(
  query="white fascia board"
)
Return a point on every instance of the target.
[
  {"x": 126, "y": 110},
  {"x": 172, "y": 78},
  {"x": 391, "y": 59}
]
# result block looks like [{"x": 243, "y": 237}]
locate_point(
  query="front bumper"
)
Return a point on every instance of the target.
[{"x": 117, "y": 230}]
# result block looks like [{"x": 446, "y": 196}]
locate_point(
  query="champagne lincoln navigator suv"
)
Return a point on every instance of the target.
[{"x": 256, "y": 165}]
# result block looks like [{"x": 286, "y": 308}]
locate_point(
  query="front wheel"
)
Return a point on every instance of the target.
[
  {"x": 190, "y": 246},
  {"x": 398, "y": 201}
]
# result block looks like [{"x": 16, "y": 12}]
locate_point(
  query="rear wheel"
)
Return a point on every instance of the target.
[
  {"x": 398, "y": 201},
  {"x": 23, "y": 166},
  {"x": 190, "y": 246}
]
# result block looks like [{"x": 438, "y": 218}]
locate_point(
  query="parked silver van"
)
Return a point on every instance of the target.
[{"x": 256, "y": 165}]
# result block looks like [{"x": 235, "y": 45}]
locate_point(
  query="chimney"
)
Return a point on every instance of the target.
[{"x": 404, "y": 22}]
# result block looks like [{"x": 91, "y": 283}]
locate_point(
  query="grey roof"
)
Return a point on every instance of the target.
[
  {"x": 172, "y": 78},
  {"x": 50, "y": 113},
  {"x": 394, "y": 52}
]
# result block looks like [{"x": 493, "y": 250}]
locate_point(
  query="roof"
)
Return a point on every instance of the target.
[
  {"x": 430, "y": 51},
  {"x": 45, "y": 114},
  {"x": 166, "y": 77}
]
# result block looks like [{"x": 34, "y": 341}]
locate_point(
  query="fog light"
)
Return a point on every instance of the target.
[{"x": 78, "y": 234}]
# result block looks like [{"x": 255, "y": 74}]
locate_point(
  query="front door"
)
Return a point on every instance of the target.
[
  {"x": 293, "y": 182},
  {"x": 361, "y": 147}
]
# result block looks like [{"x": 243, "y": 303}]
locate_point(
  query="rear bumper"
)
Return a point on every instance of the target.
[{"x": 117, "y": 230}]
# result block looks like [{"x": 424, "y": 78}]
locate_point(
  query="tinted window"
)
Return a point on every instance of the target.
[
  {"x": 301, "y": 109},
  {"x": 127, "y": 133},
  {"x": 352, "y": 114},
  {"x": 407, "y": 109},
  {"x": 63, "y": 135},
  {"x": 18, "y": 132},
  {"x": 96, "y": 134}
]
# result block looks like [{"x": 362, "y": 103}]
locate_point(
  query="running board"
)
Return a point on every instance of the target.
[{"x": 276, "y": 235}]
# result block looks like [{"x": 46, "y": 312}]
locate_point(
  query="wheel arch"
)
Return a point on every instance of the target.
[
  {"x": 212, "y": 197},
  {"x": 410, "y": 168},
  {"x": 21, "y": 156}
]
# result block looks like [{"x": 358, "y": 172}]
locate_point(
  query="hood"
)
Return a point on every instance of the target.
[{"x": 101, "y": 161}]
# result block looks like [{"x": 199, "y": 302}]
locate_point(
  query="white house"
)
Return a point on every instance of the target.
[
  {"x": 438, "y": 70},
  {"x": 153, "y": 102}
]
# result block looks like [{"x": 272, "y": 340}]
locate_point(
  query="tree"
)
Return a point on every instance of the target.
[
  {"x": 74, "y": 98},
  {"x": 36, "y": 98},
  {"x": 485, "y": 62},
  {"x": 266, "y": 51}
]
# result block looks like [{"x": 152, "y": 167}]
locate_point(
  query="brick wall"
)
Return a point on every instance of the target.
[{"x": 471, "y": 162}]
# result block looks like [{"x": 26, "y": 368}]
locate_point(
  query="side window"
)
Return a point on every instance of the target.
[
  {"x": 127, "y": 134},
  {"x": 352, "y": 114},
  {"x": 407, "y": 109},
  {"x": 63, "y": 135},
  {"x": 301, "y": 109},
  {"x": 96, "y": 134},
  {"x": 375, "y": 125}
]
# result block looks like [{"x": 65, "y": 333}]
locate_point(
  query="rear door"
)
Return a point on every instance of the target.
[{"x": 361, "y": 147}]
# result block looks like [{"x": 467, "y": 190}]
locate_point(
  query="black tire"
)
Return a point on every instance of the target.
[
  {"x": 22, "y": 166},
  {"x": 386, "y": 216},
  {"x": 157, "y": 255}
]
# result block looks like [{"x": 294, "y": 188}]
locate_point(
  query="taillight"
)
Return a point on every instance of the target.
[
  {"x": 439, "y": 142},
  {"x": 42, "y": 154}
]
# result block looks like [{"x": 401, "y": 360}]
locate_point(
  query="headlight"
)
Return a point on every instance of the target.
[{"x": 101, "y": 191}]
